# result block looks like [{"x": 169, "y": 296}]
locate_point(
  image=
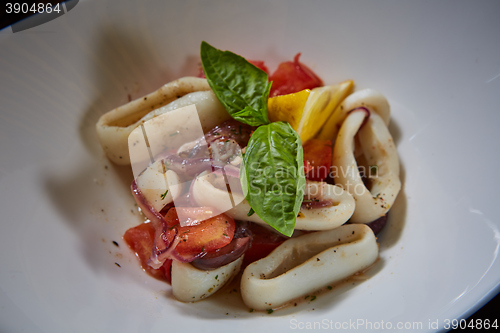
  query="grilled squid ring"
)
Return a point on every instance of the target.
[
  {"x": 155, "y": 187},
  {"x": 114, "y": 127},
  {"x": 190, "y": 284},
  {"x": 206, "y": 194},
  {"x": 368, "y": 98},
  {"x": 304, "y": 264},
  {"x": 379, "y": 153}
]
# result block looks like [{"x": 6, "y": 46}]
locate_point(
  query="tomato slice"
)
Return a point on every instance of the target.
[
  {"x": 293, "y": 76},
  {"x": 257, "y": 63},
  {"x": 317, "y": 159},
  {"x": 209, "y": 235},
  {"x": 171, "y": 218},
  {"x": 140, "y": 239},
  {"x": 264, "y": 241},
  {"x": 307, "y": 167}
]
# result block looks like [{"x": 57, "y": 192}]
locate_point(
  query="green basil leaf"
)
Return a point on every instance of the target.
[
  {"x": 273, "y": 176},
  {"x": 241, "y": 87},
  {"x": 250, "y": 212}
]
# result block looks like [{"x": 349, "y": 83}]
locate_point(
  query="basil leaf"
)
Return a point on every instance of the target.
[
  {"x": 241, "y": 87},
  {"x": 273, "y": 176},
  {"x": 250, "y": 212}
]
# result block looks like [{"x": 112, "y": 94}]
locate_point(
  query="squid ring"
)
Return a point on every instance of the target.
[
  {"x": 154, "y": 186},
  {"x": 379, "y": 153},
  {"x": 114, "y": 127},
  {"x": 304, "y": 264},
  {"x": 190, "y": 284},
  {"x": 364, "y": 98}
]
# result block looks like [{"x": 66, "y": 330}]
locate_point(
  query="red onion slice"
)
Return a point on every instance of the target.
[
  {"x": 224, "y": 255},
  {"x": 167, "y": 253},
  {"x": 161, "y": 240},
  {"x": 185, "y": 257},
  {"x": 239, "y": 245},
  {"x": 378, "y": 224},
  {"x": 367, "y": 114},
  {"x": 229, "y": 170}
]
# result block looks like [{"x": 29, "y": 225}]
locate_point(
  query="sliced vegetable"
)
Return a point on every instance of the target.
[
  {"x": 195, "y": 215},
  {"x": 224, "y": 255},
  {"x": 317, "y": 159},
  {"x": 163, "y": 236},
  {"x": 185, "y": 257},
  {"x": 293, "y": 76},
  {"x": 273, "y": 175},
  {"x": 378, "y": 224},
  {"x": 229, "y": 253},
  {"x": 140, "y": 240},
  {"x": 241, "y": 87},
  {"x": 209, "y": 235}
]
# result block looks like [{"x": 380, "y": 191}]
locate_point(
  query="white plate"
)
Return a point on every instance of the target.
[{"x": 63, "y": 203}]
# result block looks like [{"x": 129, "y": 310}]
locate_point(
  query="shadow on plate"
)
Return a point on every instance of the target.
[
  {"x": 395, "y": 131},
  {"x": 77, "y": 201},
  {"x": 126, "y": 66},
  {"x": 392, "y": 232}
]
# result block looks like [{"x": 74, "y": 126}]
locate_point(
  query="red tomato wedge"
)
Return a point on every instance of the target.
[
  {"x": 140, "y": 239},
  {"x": 207, "y": 236},
  {"x": 257, "y": 63},
  {"x": 293, "y": 76},
  {"x": 171, "y": 217},
  {"x": 264, "y": 242},
  {"x": 317, "y": 159}
]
